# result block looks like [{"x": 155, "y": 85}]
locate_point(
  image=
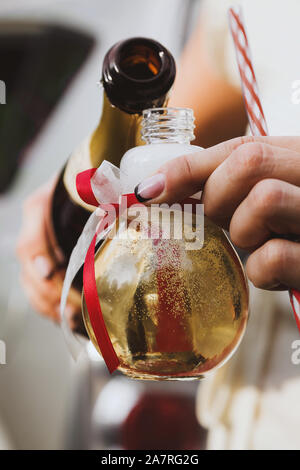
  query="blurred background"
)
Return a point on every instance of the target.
[{"x": 51, "y": 53}]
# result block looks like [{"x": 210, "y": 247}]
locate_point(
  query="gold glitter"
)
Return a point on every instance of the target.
[{"x": 171, "y": 313}]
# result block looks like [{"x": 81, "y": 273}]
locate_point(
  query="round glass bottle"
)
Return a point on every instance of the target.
[{"x": 173, "y": 312}]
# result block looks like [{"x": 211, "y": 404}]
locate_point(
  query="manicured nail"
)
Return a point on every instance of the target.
[
  {"x": 150, "y": 187},
  {"x": 43, "y": 266}
]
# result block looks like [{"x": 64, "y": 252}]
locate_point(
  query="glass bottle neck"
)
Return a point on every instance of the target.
[
  {"x": 137, "y": 74},
  {"x": 169, "y": 125},
  {"x": 116, "y": 132}
]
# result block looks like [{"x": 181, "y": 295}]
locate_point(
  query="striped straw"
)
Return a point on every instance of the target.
[
  {"x": 256, "y": 117},
  {"x": 253, "y": 105}
]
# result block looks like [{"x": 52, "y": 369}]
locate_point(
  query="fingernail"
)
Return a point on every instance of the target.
[
  {"x": 43, "y": 266},
  {"x": 150, "y": 187}
]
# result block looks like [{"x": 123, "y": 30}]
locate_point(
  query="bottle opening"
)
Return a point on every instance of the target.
[
  {"x": 137, "y": 74},
  {"x": 168, "y": 125},
  {"x": 139, "y": 62}
]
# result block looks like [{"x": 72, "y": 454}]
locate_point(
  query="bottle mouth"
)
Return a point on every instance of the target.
[
  {"x": 138, "y": 74},
  {"x": 139, "y": 62},
  {"x": 168, "y": 125}
]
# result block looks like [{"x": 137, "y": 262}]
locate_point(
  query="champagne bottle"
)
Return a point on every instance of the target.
[{"x": 137, "y": 74}]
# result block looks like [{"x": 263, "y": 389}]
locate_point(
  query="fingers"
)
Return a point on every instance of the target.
[
  {"x": 275, "y": 263},
  {"x": 48, "y": 288},
  {"x": 230, "y": 183},
  {"x": 271, "y": 207},
  {"x": 38, "y": 303},
  {"x": 44, "y": 295},
  {"x": 33, "y": 242},
  {"x": 39, "y": 259},
  {"x": 255, "y": 182},
  {"x": 42, "y": 273},
  {"x": 186, "y": 175},
  {"x": 39, "y": 300}
]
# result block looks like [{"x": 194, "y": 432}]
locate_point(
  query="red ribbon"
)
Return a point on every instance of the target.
[
  {"x": 84, "y": 187},
  {"x": 85, "y": 191}
]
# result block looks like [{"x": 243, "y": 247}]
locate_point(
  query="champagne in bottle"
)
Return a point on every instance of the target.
[{"x": 137, "y": 74}]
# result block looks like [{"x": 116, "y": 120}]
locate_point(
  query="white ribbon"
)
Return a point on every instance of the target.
[{"x": 106, "y": 187}]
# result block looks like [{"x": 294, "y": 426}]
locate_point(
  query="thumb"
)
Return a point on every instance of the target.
[{"x": 186, "y": 175}]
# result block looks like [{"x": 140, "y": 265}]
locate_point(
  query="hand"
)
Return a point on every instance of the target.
[
  {"x": 42, "y": 262},
  {"x": 251, "y": 187}
]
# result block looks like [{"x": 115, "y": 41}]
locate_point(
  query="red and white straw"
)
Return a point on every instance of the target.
[{"x": 253, "y": 105}]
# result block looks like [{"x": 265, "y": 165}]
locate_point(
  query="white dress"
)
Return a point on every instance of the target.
[{"x": 253, "y": 402}]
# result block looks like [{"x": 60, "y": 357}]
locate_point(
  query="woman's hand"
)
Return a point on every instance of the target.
[
  {"x": 42, "y": 261},
  {"x": 251, "y": 187}
]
